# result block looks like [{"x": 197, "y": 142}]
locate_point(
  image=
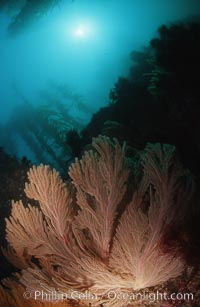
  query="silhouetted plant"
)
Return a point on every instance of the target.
[
  {"x": 45, "y": 128},
  {"x": 25, "y": 12}
]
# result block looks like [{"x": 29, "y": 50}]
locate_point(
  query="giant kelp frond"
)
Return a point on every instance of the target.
[{"x": 26, "y": 12}]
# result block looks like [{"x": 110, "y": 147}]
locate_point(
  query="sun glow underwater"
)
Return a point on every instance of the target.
[{"x": 82, "y": 30}]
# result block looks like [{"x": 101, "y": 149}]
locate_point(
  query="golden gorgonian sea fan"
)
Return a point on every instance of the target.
[{"x": 93, "y": 235}]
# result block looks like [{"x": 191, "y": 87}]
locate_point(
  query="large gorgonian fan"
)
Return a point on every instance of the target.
[{"x": 89, "y": 235}]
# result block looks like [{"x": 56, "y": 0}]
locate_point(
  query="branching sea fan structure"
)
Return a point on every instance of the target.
[{"x": 102, "y": 232}]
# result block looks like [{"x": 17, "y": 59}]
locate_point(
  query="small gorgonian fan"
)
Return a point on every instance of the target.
[{"x": 89, "y": 235}]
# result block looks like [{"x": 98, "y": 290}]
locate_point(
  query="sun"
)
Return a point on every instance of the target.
[{"x": 82, "y": 30}]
